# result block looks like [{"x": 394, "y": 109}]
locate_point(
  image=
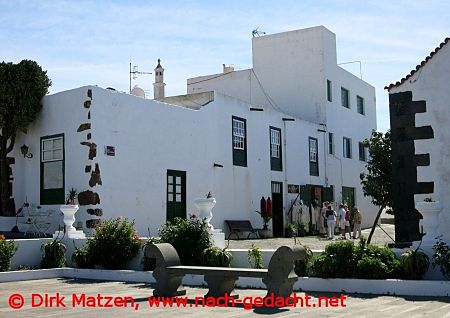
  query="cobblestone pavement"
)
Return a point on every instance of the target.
[
  {"x": 314, "y": 242},
  {"x": 360, "y": 306}
]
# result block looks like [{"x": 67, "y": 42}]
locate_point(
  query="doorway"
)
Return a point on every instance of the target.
[
  {"x": 277, "y": 209},
  {"x": 176, "y": 194}
]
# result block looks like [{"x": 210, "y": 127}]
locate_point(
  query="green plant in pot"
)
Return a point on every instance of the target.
[
  {"x": 54, "y": 254},
  {"x": 72, "y": 196},
  {"x": 414, "y": 263},
  {"x": 302, "y": 228},
  {"x": 216, "y": 257},
  {"x": 290, "y": 230},
  {"x": 81, "y": 257}
]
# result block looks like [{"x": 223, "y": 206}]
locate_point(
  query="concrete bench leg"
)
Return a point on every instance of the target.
[
  {"x": 281, "y": 277},
  {"x": 168, "y": 285},
  {"x": 219, "y": 285},
  {"x": 282, "y": 289}
]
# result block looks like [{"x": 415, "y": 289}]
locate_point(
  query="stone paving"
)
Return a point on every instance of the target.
[
  {"x": 314, "y": 242},
  {"x": 355, "y": 305}
]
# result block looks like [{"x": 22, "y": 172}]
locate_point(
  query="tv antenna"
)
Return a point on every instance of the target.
[
  {"x": 256, "y": 32},
  {"x": 134, "y": 73}
]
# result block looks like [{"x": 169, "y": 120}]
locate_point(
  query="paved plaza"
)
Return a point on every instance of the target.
[
  {"x": 355, "y": 305},
  {"x": 315, "y": 242}
]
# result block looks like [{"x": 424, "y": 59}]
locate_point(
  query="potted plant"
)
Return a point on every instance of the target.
[
  {"x": 54, "y": 254},
  {"x": 71, "y": 196},
  {"x": 290, "y": 230},
  {"x": 414, "y": 263},
  {"x": 216, "y": 257},
  {"x": 302, "y": 228},
  {"x": 266, "y": 215}
]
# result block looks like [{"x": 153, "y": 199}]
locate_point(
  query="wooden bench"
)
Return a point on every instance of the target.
[
  {"x": 239, "y": 226},
  {"x": 279, "y": 278}
]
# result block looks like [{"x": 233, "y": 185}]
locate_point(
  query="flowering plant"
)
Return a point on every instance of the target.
[
  {"x": 114, "y": 243},
  {"x": 7, "y": 250}
]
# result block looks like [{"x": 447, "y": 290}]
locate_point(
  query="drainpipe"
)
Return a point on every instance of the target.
[{"x": 285, "y": 161}]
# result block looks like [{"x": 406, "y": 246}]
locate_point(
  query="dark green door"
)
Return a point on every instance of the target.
[
  {"x": 176, "y": 194},
  {"x": 277, "y": 209},
  {"x": 348, "y": 197}
]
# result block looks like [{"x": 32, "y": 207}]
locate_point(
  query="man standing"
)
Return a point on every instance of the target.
[
  {"x": 356, "y": 222},
  {"x": 342, "y": 213},
  {"x": 331, "y": 222}
]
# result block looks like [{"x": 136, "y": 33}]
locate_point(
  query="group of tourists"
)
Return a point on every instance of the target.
[{"x": 340, "y": 221}]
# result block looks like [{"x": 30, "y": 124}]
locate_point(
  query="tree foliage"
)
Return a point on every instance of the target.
[
  {"x": 377, "y": 182},
  {"x": 22, "y": 87}
]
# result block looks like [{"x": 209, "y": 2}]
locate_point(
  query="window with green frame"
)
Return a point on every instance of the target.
[{"x": 52, "y": 170}]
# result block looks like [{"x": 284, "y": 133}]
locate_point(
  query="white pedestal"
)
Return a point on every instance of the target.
[
  {"x": 218, "y": 238},
  {"x": 430, "y": 212},
  {"x": 430, "y": 223},
  {"x": 204, "y": 207},
  {"x": 69, "y": 218}
]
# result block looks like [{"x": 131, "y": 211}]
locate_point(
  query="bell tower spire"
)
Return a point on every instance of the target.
[{"x": 158, "y": 85}]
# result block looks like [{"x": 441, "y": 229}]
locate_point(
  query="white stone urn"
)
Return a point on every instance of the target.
[
  {"x": 204, "y": 207},
  {"x": 430, "y": 212},
  {"x": 69, "y": 218}
]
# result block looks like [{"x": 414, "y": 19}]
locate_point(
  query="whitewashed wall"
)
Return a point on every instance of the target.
[
  {"x": 431, "y": 85},
  {"x": 292, "y": 69}
]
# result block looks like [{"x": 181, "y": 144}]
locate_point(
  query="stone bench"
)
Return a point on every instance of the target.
[{"x": 279, "y": 277}]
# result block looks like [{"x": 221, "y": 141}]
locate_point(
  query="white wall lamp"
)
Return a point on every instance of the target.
[{"x": 24, "y": 150}]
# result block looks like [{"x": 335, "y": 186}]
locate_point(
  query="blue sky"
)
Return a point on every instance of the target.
[{"x": 92, "y": 42}]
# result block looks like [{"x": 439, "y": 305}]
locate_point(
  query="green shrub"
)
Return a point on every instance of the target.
[
  {"x": 189, "y": 237},
  {"x": 414, "y": 263},
  {"x": 54, "y": 254},
  {"x": 7, "y": 251},
  {"x": 254, "y": 257},
  {"x": 441, "y": 257},
  {"x": 343, "y": 259},
  {"x": 82, "y": 258},
  {"x": 371, "y": 268},
  {"x": 114, "y": 244},
  {"x": 216, "y": 257}
]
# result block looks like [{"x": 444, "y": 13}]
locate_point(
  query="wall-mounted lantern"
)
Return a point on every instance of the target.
[{"x": 24, "y": 149}]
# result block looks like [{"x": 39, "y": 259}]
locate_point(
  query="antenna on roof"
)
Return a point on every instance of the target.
[
  {"x": 256, "y": 32},
  {"x": 134, "y": 73}
]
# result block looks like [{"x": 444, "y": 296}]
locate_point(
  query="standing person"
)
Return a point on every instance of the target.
[
  {"x": 331, "y": 221},
  {"x": 356, "y": 222},
  {"x": 341, "y": 214},
  {"x": 347, "y": 223},
  {"x": 322, "y": 221}
]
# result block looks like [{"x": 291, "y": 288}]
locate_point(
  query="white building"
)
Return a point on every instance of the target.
[
  {"x": 294, "y": 119},
  {"x": 419, "y": 111}
]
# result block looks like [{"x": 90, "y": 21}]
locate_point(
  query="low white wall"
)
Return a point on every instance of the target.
[
  {"x": 7, "y": 223},
  {"x": 304, "y": 284},
  {"x": 29, "y": 253}
]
